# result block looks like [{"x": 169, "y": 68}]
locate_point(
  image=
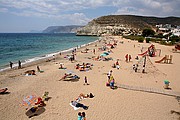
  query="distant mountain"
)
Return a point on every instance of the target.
[
  {"x": 121, "y": 24},
  {"x": 62, "y": 29}
]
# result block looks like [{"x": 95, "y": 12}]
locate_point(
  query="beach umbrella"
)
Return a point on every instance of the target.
[
  {"x": 103, "y": 55},
  {"x": 106, "y": 53},
  {"x": 29, "y": 100}
]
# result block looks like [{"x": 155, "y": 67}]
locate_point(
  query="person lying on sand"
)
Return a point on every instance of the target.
[
  {"x": 3, "y": 90},
  {"x": 30, "y": 72},
  {"x": 40, "y": 102},
  {"x": 66, "y": 75},
  {"x": 69, "y": 77},
  {"x": 82, "y": 96},
  {"x": 76, "y": 104}
]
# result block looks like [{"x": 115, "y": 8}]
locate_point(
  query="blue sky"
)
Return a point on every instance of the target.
[{"x": 26, "y": 15}]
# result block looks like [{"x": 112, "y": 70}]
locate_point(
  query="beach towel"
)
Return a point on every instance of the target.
[{"x": 75, "y": 108}]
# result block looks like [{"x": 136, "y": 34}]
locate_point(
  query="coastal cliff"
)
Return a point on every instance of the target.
[{"x": 123, "y": 24}]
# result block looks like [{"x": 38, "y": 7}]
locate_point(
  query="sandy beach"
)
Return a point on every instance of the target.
[{"x": 117, "y": 104}]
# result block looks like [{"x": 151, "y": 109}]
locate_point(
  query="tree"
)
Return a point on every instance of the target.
[{"x": 148, "y": 32}]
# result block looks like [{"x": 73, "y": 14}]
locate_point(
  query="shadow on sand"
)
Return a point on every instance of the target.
[{"x": 39, "y": 111}]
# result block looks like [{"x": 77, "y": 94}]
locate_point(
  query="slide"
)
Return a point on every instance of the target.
[
  {"x": 151, "y": 46},
  {"x": 142, "y": 54},
  {"x": 160, "y": 60}
]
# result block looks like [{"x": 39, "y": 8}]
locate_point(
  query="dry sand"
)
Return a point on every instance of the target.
[{"x": 118, "y": 104}]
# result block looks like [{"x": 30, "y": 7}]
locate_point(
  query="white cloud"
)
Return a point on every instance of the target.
[
  {"x": 60, "y": 9},
  {"x": 148, "y": 7},
  {"x": 3, "y": 10},
  {"x": 79, "y": 18}
]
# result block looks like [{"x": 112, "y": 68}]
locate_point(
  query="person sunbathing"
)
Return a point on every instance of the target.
[
  {"x": 76, "y": 104},
  {"x": 66, "y": 75},
  {"x": 3, "y": 91},
  {"x": 30, "y": 72},
  {"x": 40, "y": 102},
  {"x": 82, "y": 96}
]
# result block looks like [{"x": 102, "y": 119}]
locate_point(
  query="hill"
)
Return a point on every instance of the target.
[
  {"x": 124, "y": 24},
  {"x": 62, "y": 29}
]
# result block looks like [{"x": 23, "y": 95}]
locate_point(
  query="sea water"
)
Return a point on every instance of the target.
[{"x": 29, "y": 47}]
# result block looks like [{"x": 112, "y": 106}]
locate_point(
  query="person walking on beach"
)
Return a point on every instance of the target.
[
  {"x": 85, "y": 81},
  {"x": 126, "y": 57},
  {"x": 129, "y": 58},
  {"x": 19, "y": 62},
  {"x": 11, "y": 64}
]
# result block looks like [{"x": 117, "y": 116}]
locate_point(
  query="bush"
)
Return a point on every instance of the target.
[
  {"x": 141, "y": 39},
  {"x": 174, "y": 38},
  {"x": 135, "y": 37},
  {"x": 148, "y": 32},
  {"x": 147, "y": 40},
  {"x": 163, "y": 42}
]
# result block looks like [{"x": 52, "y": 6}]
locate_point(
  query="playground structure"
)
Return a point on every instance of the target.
[
  {"x": 146, "y": 66},
  {"x": 140, "y": 66},
  {"x": 151, "y": 51},
  {"x": 166, "y": 59},
  {"x": 176, "y": 48}
]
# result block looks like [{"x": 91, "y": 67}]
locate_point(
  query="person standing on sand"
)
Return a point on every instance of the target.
[
  {"x": 85, "y": 81},
  {"x": 126, "y": 57},
  {"x": 109, "y": 75},
  {"x": 94, "y": 51},
  {"x": 11, "y": 64},
  {"x": 129, "y": 58},
  {"x": 83, "y": 116},
  {"x": 79, "y": 116},
  {"x": 19, "y": 62}
]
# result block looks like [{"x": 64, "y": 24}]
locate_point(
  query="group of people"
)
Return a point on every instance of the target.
[
  {"x": 39, "y": 104},
  {"x": 81, "y": 116},
  {"x": 128, "y": 57},
  {"x": 84, "y": 66},
  {"x": 19, "y": 64}
]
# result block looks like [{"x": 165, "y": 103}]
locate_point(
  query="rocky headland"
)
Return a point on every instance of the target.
[{"x": 123, "y": 24}]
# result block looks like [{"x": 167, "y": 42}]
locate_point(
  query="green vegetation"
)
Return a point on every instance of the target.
[
  {"x": 148, "y": 39},
  {"x": 175, "y": 38},
  {"x": 135, "y": 37},
  {"x": 172, "y": 40},
  {"x": 148, "y": 32}
]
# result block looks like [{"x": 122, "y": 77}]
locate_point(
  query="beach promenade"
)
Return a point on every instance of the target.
[{"x": 117, "y": 104}]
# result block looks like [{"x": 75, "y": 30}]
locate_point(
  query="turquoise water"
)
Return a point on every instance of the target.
[{"x": 33, "y": 46}]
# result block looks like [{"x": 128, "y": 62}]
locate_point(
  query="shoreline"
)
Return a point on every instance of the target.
[{"x": 43, "y": 58}]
